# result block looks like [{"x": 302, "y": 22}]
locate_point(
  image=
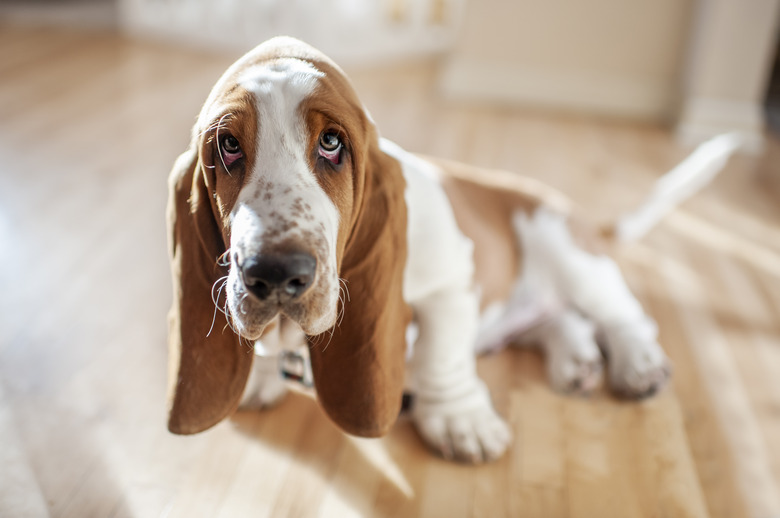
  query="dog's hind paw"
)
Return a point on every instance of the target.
[
  {"x": 575, "y": 370},
  {"x": 638, "y": 366}
]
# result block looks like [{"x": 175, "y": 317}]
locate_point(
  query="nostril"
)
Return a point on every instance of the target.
[
  {"x": 258, "y": 287},
  {"x": 287, "y": 275},
  {"x": 297, "y": 285}
]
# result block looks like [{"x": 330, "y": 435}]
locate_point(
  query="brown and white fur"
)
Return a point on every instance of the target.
[{"x": 489, "y": 259}]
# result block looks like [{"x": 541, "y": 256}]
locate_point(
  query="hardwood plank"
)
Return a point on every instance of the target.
[
  {"x": 20, "y": 495},
  {"x": 303, "y": 489},
  {"x": 89, "y": 128},
  {"x": 273, "y": 436},
  {"x": 664, "y": 454},
  {"x": 732, "y": 415},
  {"x": 538, "y": 502},
  {"x": 400, "y": 496},
  {"x": 453, "y": 499}
]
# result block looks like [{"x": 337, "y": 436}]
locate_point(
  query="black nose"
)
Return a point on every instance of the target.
[{"x": 286, "y": 275}]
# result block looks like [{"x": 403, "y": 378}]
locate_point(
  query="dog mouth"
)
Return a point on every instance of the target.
[{"x": 292, "y": 290}]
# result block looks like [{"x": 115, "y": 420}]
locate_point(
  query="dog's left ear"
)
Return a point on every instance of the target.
[
  {"x": 359, "y": 371},
  {"x": 207, "y": 366}
]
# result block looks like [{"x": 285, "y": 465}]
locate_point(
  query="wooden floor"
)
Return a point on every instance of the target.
[{"x": 89, "y": 127}]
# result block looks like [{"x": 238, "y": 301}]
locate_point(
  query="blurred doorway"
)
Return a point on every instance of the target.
[{"x": 772, "y": 102}]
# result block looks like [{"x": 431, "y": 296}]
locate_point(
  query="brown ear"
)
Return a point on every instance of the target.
[
  {"x": 207, "y": 366},
  {"x": 359, "y": 371}
]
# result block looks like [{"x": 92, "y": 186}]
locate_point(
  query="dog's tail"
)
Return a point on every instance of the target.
[{"x": 683, "y": 181}]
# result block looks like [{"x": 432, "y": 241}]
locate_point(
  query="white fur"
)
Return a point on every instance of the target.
[
  {"x": 280, "y": 184},
  {"x": 265, "y": 386},
  {"x": 593, "y": 300},
  {"x": 573, "y": 359},
  {"x": 565, "y": 298},
  {"x": 452, "y": 411},
  {"x": 686, "y": 179}
]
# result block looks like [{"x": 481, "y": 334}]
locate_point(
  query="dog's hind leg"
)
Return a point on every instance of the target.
[
  {"x": 574, "y": 363},
  {"x": 594, "y": 285}
]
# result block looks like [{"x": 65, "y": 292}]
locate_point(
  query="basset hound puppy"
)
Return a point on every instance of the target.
[{"x": 293, "y": 224}]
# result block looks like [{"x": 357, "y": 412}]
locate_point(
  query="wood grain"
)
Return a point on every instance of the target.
[{"x": 90, "y": 124}]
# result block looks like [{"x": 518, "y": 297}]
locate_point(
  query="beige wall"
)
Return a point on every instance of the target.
[
  {"x": 732, "y": 48},
  {"x": 618, "y": 57},
  {"x": 353, "y": 32}
]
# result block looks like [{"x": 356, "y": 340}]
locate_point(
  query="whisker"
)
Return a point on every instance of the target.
[
  {"x": 343, "y": 292},
  {"x": 346, "y": 288},
  {"x": 330, "y": 338},
  {"x": 216, "y": 124},
  {"x": 229, "y": 319},
  {"x": 241, "y": 308},
  {"x": 219, "y": 294},
  {"x": 224, "y": 259},
  {"x": 340, "y": 316},
  {"x": 215, "y": 300},
  {"x": 219, "y": 151}
]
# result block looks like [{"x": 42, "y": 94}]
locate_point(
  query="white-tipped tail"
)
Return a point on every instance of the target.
[{"x": 686, "y": 179}]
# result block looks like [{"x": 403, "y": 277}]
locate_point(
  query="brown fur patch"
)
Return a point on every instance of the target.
[
  {"x": 360, "y": 375},
  {"x": 483, "y": 202}
]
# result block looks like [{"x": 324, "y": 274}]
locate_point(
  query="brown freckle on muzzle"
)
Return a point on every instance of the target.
[{"x": 300, "y": 210}]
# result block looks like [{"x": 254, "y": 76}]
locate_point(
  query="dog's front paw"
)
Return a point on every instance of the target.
[
  {"x": 638, "y": 366},
  {"x": 472, "y": 434}
]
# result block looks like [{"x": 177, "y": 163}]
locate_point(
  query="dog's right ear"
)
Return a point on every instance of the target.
[
  {"x": 207, "y": 366},
  {"x": 360, "y": 373}
]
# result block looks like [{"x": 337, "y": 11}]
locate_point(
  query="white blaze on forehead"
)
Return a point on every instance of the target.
[
  {"x": 281, "y": 202},
  {"x": 279, "y": 89},
  {"x": 281, "y": 188},
  {"x": 292, "y": 75}
]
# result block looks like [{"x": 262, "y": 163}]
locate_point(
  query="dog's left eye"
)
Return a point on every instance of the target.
[
  {"x": 231, "y": 149},
  {"x": 330, "y": 147}
]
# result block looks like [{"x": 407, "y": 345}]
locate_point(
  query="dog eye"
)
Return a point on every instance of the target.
[
  {"x": 230, "y": 149},
  {"x": 330, "y": 141},
  {"x": 230, "y": 145},
  {"x": 330, "y": 147}
]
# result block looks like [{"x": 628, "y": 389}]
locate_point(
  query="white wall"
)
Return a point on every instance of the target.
[
  {"x": 616, "y": 57},
  {"x": 731, "y": 52},
  {"x": 703, "y": 63},
  {"x": 349, "y": 31},
  {"x": 78, "y": 14}
]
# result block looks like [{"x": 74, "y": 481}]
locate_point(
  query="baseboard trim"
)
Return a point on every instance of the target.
[{"x": 703, "y": 118}]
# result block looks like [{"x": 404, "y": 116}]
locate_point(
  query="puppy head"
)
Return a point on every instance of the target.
[{"x": 283, "y": 198}]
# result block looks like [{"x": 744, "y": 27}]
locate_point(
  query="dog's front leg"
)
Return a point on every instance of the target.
[{"x": 452, "y": 409}]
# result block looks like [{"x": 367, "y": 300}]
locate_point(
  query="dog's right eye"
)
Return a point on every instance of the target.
[
  {"x": 231, "y": 149},
  {"x": 330, "y": 147},
  {"x": 230, "y": 144}
]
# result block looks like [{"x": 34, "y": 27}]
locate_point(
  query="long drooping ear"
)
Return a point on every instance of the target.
[
  {"x": 359, "y": 371},
  {"x": 208, "y": 368}
]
